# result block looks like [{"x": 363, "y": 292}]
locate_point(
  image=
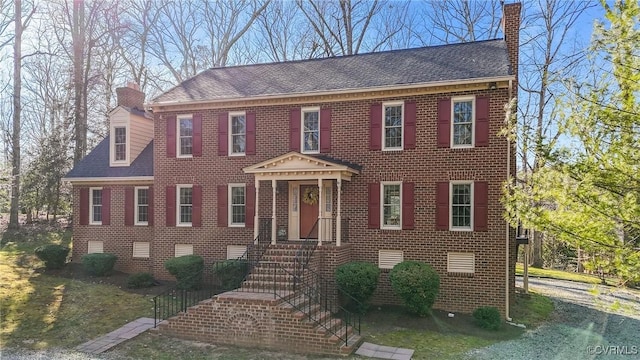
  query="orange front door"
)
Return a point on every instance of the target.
[{"x": 308, "y": 214}]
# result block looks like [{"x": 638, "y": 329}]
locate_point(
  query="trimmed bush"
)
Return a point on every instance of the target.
[
  {"x": 230, "y": 273},
  {"x": 487, "y": 317},
  {"x": 359, "y": 280},
  {"x": 99, "y": 264},
  {"x": 140, "y": 280},
  {"x": 54, "y": 256},
  {"x": 187, "y": 269},
  {"x": 417, "y": 284}
]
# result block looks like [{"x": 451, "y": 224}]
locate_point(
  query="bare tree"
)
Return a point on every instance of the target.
[
  {"x": 460, "y": 21},
  {"x": 15, "y": 138}
]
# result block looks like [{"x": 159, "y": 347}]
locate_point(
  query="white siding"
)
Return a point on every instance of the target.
[{"x": 141, "y": 134}]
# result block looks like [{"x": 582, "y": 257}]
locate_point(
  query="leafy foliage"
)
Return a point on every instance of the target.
[
  {"x": 487, "y": 317},
  {"x": 140, "y": 280},
  {"x": 187, "y": 269},
  {"x": 359, "y": 280},
  {"x": 53, "y": 255},
  {"x": 417, "y": 284},
  {"x": 230, "y": 273},
  {"x": 99, "y": 264}
]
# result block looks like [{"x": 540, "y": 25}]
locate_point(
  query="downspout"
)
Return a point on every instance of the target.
[{"x": 508, "y": 260}]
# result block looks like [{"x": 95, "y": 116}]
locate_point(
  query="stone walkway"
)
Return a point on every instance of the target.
[
  {"x": 384, "y": 352},
  {"x": 106, "y": 342}
]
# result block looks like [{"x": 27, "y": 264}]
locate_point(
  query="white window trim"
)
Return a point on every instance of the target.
[
  {"x": 230, "y": 133},
  {"x": 112, "y": 145},
  {"x": 382, "y": 225},
  {"x": 460, "y": 228},
  {"x": 302, "y": 112},
  {"x": 135, "y": 195},
  {"x": 178, "y": 153},
  {"x": 230, "y": 204},
  {"x": 178, "y": 187},
  {"x": 91, "y": 222},
  {"x": 473, "y": 121},
  {"x": 383, "y": 126}
]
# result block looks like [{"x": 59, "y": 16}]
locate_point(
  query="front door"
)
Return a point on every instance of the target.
[{"x": 308, "y": 211}]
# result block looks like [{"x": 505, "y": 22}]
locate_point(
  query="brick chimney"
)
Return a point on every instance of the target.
[
  {"x": 511, "y": 30},
  {"x": 130, "y": 96}
]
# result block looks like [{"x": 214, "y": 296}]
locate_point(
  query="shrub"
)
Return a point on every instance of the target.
[
  {"x": 140, "y": 280},
  {"x": 99, "y": 264},
  {"x": 487, "y": 317},
  {"x": 187, "y": 269},
  {"x": 359, "y": 280},
  {"x": 54, "y": 256},
  {"x": 416, "y": 283},
  {"x": 230, "y": 273}
]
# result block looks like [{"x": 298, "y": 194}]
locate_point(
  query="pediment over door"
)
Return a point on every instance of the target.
[{"x": 295, "y": 165}]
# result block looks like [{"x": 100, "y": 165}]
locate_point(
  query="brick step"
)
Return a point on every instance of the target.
[
  {"x": 266, "y": 285},
  {"x": 278, "y": 270},
  {"x": 329, "y": 324},
  {"x": 301, "y": 312},
  {"x": 258, "y": 276},
  {"x": 341, "y": 334},
  {"x": 353, "y": 342},
  {"x": 278, "y": 258}
]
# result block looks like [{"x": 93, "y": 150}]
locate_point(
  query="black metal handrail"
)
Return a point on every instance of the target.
[{"x": 304, "y": 254}]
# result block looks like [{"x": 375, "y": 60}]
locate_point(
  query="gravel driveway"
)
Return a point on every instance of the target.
[{"x": 589, "y": 322}]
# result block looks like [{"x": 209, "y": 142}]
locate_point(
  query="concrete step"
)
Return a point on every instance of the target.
[{"x": 353, "y": 342}]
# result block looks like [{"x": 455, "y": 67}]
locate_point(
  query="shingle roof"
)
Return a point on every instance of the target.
[
  {"x": 473, "y": 60},
  {"x": 96, "y": 164}
]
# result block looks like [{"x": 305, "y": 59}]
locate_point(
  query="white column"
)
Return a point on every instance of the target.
[
  {"x": 256, "y": 217},
  {"x": 338, "y": 215},
  {"x": 320, "y": 222},
  {"x": 273, "y": 214}
]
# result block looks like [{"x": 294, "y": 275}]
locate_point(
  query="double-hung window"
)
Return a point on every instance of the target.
[
  {"x": 463, "y": 115},
  {"x": 184, "y": 195},
  {"x": 120, "y": 143},
  {"x": 391, "y": 200},
  {"x": 310, "y": 130},
  {"x": 95, "y": 206},
  {"x": 237, "y": 133},
  {"x": 237, "y": 203},
  {"x": 461, "y": 206},
  {"x": 185, "y": 136},
  {"x": 393, "y": 126},
  {"x": 142, "y": 205}
]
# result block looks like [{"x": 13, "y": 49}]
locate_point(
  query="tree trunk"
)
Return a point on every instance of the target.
[
  {"x": 15, "y": 138},
  {"x": 80, "y": 119},
  {"x": 536, "y": 253}
]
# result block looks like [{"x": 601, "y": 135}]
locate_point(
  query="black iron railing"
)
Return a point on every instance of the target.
[{"x": 304, "y": 254}]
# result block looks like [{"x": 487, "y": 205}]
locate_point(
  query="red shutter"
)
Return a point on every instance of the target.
[
  {"x": 482, "y": 121},
  {"x": 222, "y": 206},
  {"x": 250, "y": 148},
  {"x": 480, "y": 206},
  {"x": 410, "y": 125},
  {"x": 223, "y": 134},
  {"x": 294, "y": 130},
  {"x": 408, "y": 222},
  {"x": 442, "y": 206},
  {"x": 325, "y": 130},
  {"x": 375, "y": 128},
  {"x": 84, "y": 206},
  {"x": 106, "y": 206},
  {"x": 196, "y": 211},
  {"x": 444, "y": 122},
  {"x": 374, "y": 205},
  {"x": 171, "y": 136},
  {"x": 171, "y": 206},
  {"x": 151, "y": 212},
  {"x": 250, "y": 205},
  {"x": 129, "y": 206},
  {"x": 197, "y": 134}
]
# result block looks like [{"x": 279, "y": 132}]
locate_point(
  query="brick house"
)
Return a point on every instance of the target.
[{"x": 379, "y": 157}]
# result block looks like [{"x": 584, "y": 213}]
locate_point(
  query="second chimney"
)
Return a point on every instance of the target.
[{"x": 130, "y": 96}]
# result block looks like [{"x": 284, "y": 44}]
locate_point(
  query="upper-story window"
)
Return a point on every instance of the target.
[
  {"x": 310, "y": 130},
  {"x": 142, "y": 205},
  {"x": 120, "y": 143},
  {"x": 391, "y": 205},
  {"x": 185, "y": 136},
  {"x": 462, "y": 125},
  {"x": 237, "y": 133},
  {"x": 393, "y": 126},
  {"x": 95, "y": 206},
  {"x": 185, "y": 205},
  {"x": 461, "y": 205}
]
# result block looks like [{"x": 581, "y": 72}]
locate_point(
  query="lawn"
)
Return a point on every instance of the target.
[{"x": 564, "y": 275}]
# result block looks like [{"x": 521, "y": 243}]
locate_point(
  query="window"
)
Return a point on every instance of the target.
[
  {"x": 237, "y": 203},
  {"x": 392, "y": 131},
  {"x": 461, "y": 263},
  {"x": 185, "y": 205},
  {"x": 463, "y": 115},
  {"x": 95, "y": 247},
  {"x": 391, "y": 205},
  {"x": 183, "y": 249},
  {"x": 387, "y": 259},
  {"x": 310, "y": 130},
  {"x": 236, "y": 251},
  {"x": 95, "y": 206},
  {"x": 142, "y": 205},
  {"x": 185, "y": 137},
  {"x": 140, "y": 249},
  {"x": 120, "y": 143},
  {"x": 461, "y": 206},
  {"x": 237, "y": 133}
]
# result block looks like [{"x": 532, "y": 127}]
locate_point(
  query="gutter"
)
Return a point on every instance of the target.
[
  {"x": 508, "y": 260},
  {"x": 108, "y": 179}
]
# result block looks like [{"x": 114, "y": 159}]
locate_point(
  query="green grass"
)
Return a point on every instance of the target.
[
  {"x": 563, "y": 275},
  {"x": 39, "y": 311},
  {"x": 531, "y": 309}
]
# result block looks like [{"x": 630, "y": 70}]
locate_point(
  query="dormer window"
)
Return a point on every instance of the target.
[
  {"x": 119, "y": 154},
  {"x": 120, "y": 143}
]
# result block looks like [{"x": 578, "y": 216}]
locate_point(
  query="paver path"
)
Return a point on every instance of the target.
[
  {"x": 384, "y": 352},
  {"x": 106, "y": 342}
]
